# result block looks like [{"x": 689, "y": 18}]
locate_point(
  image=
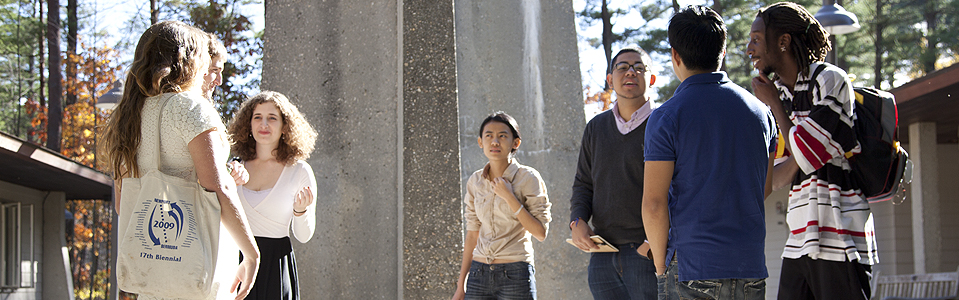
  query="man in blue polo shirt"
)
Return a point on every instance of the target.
[{"x": 709, "y": 151}]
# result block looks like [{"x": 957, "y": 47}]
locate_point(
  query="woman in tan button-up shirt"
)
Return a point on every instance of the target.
[{"x": 506, "y": 203}]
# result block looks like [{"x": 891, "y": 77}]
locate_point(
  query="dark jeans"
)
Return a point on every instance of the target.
[
  {"x": 670, "y": 288},
  {"x": 622, "y": 275},
  {"x": 806, "y": 278},
  {"x": 509, "y": 281}
]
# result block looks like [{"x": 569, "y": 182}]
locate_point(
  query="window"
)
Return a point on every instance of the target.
[
  {"x": 17, "y": 267},
  {"x": 28, "y": 266}
]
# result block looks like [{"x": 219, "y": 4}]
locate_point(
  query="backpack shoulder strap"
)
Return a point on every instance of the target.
[
  {"x": 817, "y": 71},
  {"x": 813, "y": 82}
]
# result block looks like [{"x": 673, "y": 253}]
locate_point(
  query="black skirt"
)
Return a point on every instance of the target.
[{"x": 276, "y": 278}]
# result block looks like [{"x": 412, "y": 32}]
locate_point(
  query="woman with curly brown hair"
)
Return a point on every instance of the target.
[
  {"x": 272, "y": 139},
  {"x": 166, "y": 78}
]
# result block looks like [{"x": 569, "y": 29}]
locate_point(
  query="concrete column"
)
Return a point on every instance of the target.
[
  {"x": 56, "y": 279},
  {"x": 521, "y": 57},
  {"x": 430, "y": 152},
  {"x": 924, "y": 192},
  {"x": 378, "y": 81}
]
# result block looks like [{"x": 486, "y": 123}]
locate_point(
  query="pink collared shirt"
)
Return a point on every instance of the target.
[{"x": 638, "y": 117}]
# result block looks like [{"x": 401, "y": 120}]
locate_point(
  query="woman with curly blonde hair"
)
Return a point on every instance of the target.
[
  {"x": 272, "y": 139},
  {"x": 169, "y": 66}
]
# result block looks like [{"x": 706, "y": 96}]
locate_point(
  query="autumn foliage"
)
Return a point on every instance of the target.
[
  {"x": 89, "y": 246},
  {"x": 603, "y": 96},
  {"x": 38, "y": 123},
  {"x": 89, "y": 242},
  {"x": 95, "y": 76},
  {"x": 96, "y": 71}
]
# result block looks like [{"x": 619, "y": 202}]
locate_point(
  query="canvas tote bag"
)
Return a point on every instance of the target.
[{"x": 169, "y": 234}]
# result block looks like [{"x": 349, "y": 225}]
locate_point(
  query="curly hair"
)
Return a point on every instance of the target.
[
  {"x": 297, "y": 139},
  {"x": 169, "y": 58},
  {"x": 810, "y": 41}
]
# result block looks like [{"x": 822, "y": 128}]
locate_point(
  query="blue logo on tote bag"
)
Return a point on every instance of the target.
[{"x": 166, "y": 224}]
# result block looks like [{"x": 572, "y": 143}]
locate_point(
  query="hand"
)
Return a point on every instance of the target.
[
  {"x": 660, "y": 269},
  {"x": 503, "y": 188},
  {"x": 766, "y": 90},
  {"x": 303, "y": 199},
  {"x": 239, "y": 173},
  {"x": 245, "y": 274},
  {"x": 643, "y": 250},
  {"x": 460, "y": 294},
  {"x": 581, "y": 234}
]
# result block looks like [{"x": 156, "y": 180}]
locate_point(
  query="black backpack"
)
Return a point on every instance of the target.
[{"x": 883, "y": 168}]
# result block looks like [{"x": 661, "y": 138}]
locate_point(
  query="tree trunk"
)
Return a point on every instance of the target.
[
  {"x": 54, "y": 110},
  {"x": 71, "y": 70},
  {"x": 841, "y": 61},
  {"x": 931, "y": 53},
  {"x": 94, "y": 261},
  {"x": 16, "y": 99},
  {"x": 607, "y": 38},
  {"x": 719, "y": 8},
  {"x": 880, "y": 26},
  {"x": 40, "y": 37},
  {"x": 154, "y": 12},
  {"x": 838, "y": 58}
]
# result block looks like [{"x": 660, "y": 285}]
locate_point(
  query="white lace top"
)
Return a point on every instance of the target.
[{"x": 187, "y": 115}]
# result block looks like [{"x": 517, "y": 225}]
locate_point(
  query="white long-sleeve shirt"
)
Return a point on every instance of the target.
[{"x": 273, "y": 216}]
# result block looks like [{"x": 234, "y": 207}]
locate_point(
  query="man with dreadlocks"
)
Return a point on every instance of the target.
[{"x": 831, "y": 243}]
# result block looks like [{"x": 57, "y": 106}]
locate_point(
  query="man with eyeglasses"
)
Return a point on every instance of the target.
[
  {"x": 608, "y": 187},
  {"x": 709, "y": 157}
]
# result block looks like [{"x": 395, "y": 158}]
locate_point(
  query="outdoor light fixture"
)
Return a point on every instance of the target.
[
  {"x": 837, "y": 20},
  {"x": 112, "y": 97}
]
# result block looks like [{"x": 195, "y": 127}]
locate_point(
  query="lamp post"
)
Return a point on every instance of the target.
[
  {"x": 836, "y": 20},
  {"x": 112, "y": 97},
  {"x": 109, "y": 100}
]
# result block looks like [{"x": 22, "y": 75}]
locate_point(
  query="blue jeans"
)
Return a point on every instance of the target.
[
  {"x": 671, "y": 288},
  {"x": 622, "y": 275},
  {"x": 510, "y": 281}
]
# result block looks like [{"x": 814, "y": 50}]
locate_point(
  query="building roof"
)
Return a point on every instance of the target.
[
  {"x": 26, "y": 164},
  {"x": 931, "y": 98}
]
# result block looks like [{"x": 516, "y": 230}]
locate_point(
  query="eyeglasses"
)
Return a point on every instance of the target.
[{"x": 624, "y": 66}]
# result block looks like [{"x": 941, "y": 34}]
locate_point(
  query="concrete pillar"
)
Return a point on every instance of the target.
[
  {"x": 521, "y": 57},
  {"x": 378, "y": 81},
  {"x": 56, "y": 279},
  {"x": 430, "y": 152},
  {"x": 924, "y": 192}
]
